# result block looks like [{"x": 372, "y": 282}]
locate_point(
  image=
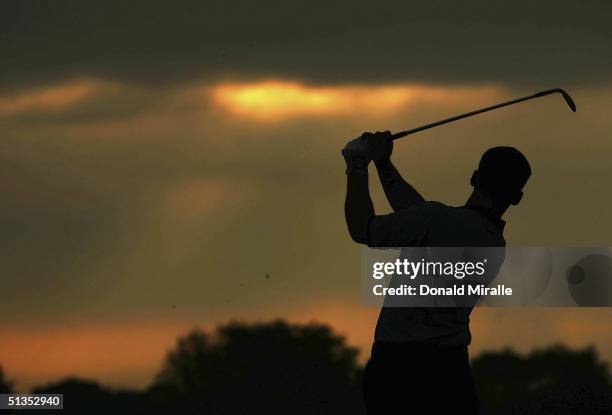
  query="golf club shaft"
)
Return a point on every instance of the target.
[{"x": 476, "y": 112}]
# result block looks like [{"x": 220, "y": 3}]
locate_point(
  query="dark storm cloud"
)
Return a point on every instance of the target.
[{"x": 520, "y": 42}]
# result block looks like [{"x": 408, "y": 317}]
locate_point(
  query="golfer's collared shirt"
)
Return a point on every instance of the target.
[{"x": 431, "y": 224}]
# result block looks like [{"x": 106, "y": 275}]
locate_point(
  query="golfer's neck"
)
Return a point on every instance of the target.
[{"x": 483, "y": 203}]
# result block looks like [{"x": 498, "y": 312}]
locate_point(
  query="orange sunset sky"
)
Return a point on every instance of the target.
[{"x": 157, "y": 161}]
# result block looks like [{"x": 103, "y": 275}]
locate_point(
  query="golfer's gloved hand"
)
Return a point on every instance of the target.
[
  {"x": 356, "y": 155},
  {"x": 359, "y": 152},
  {"x": 380, "y": 146}
]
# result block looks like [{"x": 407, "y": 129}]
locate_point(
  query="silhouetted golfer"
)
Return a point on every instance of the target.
[{"x": 419, "y": 361}]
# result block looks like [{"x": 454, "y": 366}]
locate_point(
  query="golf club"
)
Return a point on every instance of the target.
[{"x": 568, "y": 100}]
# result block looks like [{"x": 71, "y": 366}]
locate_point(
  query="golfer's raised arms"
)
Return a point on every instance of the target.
[
  {"x": 400, "y": 194},
  {"x": 358, "y": 207}
]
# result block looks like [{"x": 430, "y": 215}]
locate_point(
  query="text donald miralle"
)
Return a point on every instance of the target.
[{"x": 414, "y": 269}]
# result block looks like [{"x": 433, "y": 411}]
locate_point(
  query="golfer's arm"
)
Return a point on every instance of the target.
[
  {"x": 400, "y": 194},
  {"x": 358, "y": 207}
]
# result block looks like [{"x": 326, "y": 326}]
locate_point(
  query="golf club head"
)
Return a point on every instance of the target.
[{"x": 566, "y": 97}]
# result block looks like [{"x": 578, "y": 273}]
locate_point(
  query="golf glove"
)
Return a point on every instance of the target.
[
  {"x": 380, "y": 145},
  {"x": 356, "y": 155},
  {"x": 359, "y": 152}
]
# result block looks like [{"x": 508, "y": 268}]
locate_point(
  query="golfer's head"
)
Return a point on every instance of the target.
[{"x": 502, "y": 174}]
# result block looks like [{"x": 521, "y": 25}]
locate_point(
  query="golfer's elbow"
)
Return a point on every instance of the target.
[
  {"x": 359, "y": 237},
  {"x": 359, "y": 231}
]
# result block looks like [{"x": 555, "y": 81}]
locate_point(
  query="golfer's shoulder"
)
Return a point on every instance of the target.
[
  {"x": 433, "y": 207},
  {"x": 426, "y": 208}
]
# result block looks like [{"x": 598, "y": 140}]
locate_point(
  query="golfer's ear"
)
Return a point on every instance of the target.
[
  {"x": 475, "y": 179},
  {"x": 517, "y": 198}
]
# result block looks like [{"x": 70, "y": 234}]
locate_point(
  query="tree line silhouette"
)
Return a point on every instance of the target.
[{"x": 278, "y": 367}]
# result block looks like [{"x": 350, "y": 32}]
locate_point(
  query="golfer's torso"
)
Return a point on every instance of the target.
[{"x": 448, "y": 227}]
